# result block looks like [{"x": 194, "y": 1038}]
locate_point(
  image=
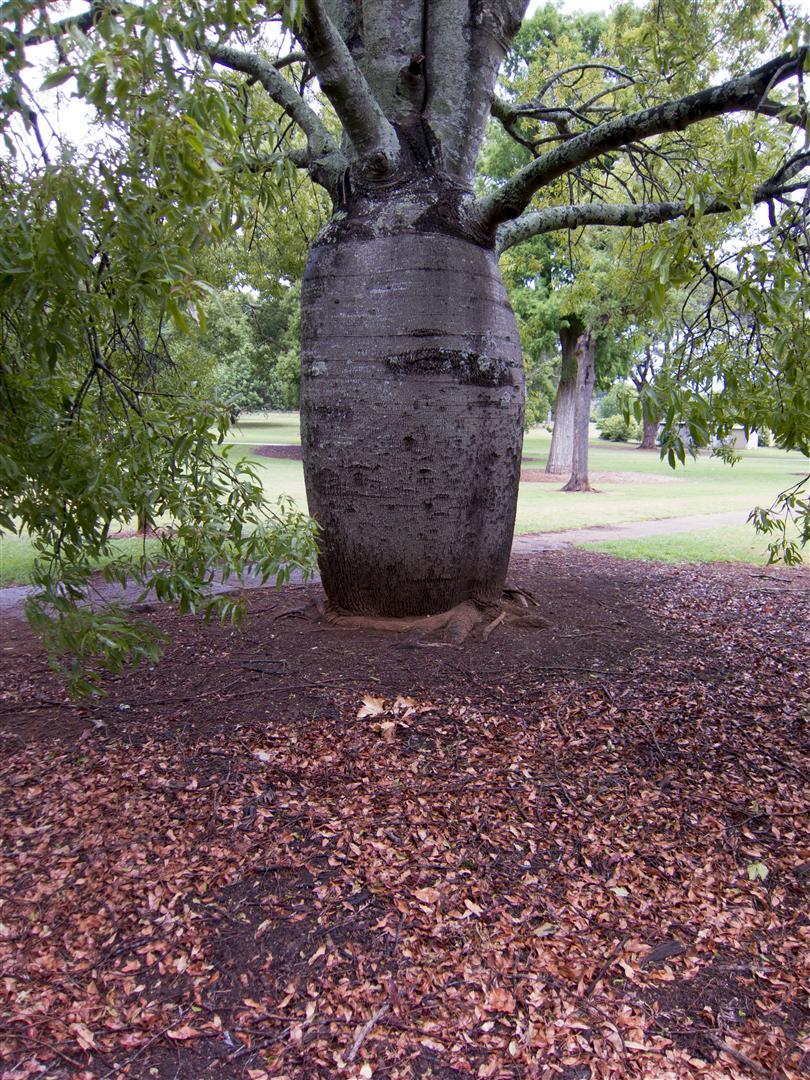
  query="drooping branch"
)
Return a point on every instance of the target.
[
  {"x": 323, "y": 158},
  {"x": 340, "y": 78},
  {"x": 744, "y": 93},
  {"x": 629, "y": 215},
  {"x": 82, "y": 20}
]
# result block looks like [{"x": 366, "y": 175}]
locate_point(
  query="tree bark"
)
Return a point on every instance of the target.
[
  {"x": 650, "y": 435},
  {"x": 561, "y": 454},
  {"x": 411, "y": 409},
  {"x": 586, "y": 376}
]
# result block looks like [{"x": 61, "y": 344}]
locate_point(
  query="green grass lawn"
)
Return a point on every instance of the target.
[
  {"x": 265, "y": 429},
  {"x": 735, "y": 543},
  {"x": 703, "y": 486},
  {"x": 17, "y": 557}
]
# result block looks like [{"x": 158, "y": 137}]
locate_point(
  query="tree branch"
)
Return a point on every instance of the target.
[
  {"x": 745, "y": 93},
  {"x": 344, "y": 84},
  {"x": 626, "y": 215},
  {"x": 325, "y": 160},
  {"x": 83, "y": 20}
]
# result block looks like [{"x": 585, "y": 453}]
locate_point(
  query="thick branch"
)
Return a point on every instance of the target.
[
  {"x": 746, "y": 92},
  {"x": 319, "y": 140},
  {"x": 344, "y": 84},
  {"x": 83, "y": 20},
  {"x": 624, "y": 215},
  {"x": 465, "y": 44},
  {"x": 324, "y": 158}
]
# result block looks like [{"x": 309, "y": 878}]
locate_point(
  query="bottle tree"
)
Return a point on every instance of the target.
[{"x": 412, "y": 382}]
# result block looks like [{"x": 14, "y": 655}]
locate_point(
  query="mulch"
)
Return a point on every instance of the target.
[
  {"x": 528, "y": 475},
  {"x": 293, "y": 850},
  {"x": 540, "y": 476},
  {"x": 279, "y": 451}
]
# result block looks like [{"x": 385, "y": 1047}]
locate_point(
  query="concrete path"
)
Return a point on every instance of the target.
[
  {"x": 12, "y": 599},
  {"x": 626, "y": 530}
]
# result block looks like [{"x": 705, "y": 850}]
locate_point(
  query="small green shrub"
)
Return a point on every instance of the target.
[
  {"x": 617, "y": 429},
  {"x": 616, "y": 401}
]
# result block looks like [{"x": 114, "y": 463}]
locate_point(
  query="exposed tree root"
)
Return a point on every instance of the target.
[{"x": 455, "y": 625}]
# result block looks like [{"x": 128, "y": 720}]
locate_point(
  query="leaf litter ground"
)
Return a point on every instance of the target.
[{"x": 301, "y": 851}]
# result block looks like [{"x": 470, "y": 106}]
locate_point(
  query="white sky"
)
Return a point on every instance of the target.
[{"x": 570, "y": 6}]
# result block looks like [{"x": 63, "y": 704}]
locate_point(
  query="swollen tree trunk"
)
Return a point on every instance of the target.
[
  {"x": 561, "y": 454},
  {"x": 586, "y": 376},
  {"x": 411, "y": 407}
]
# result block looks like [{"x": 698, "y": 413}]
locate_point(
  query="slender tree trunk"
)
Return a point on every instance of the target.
[
  {"x": 650, "y": 434},
  {"x": 411, "y": 410},
  {"x": 586, "y": 376},
  {"x": 642, "y": 375},
  {"x": 561, "y": 454}
]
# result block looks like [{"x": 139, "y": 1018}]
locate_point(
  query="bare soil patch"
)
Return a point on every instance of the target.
[
  {"x": 253, "y": 860},
  {"x": 287, "y": 453},
  {"x": 539, "y": 476}
]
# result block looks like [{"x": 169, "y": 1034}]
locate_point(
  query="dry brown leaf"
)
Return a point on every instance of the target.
[
  {"x": 428, "y": 895},
  {"x": 84, "y": 1036},
  {"x": 181, "y": 1034},
  {"x": 500, "y": 1000},
  {"x": 372, "y": 706}
]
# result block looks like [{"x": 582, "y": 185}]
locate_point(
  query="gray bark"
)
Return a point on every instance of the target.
[
  {"x": 323, "y": 157},
  {"x": 650, "y": 434},
  {"x": 430, "y": 65},
  {"x": 466, "y": 41},
  {"x": 632, "y": 215},
  {"x": 741, "y": 94},
  {"x": 586, "y": 377},
  {"x": 561, "y": 454},
  {"x": 364, "y": 122},
  {"x": 411, "y": 418}
]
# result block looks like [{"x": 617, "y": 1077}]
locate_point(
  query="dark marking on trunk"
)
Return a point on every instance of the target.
[{"x": 467, "y": 367}]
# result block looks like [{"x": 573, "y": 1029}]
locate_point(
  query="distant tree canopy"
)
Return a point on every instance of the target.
[{"x": 248, "y": 351}]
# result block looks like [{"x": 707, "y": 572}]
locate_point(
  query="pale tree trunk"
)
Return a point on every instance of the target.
[
  {"x": 586, "y": 376},
  {"x": 412, "y": 379},
  {"x": 411, "y": 414},
  {"x": 642, "y": 374},
  {"x": 561, "y": 454}
]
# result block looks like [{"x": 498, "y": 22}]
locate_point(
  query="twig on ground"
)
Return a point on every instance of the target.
[
  {"x": 365, "y": 1030},
  {"x": 496, "y": 622},
  {"x": 7, "y": 1033},
  {"x": 737, "y": 1055}
]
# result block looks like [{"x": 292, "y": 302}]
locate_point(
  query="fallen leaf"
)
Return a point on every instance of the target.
[
  {"x": 372, "y": 706},
  {"x": 318, "y": 952},
  {"x": 180, "y": 1034},
  {"x": 84, "y": 1036},
  {"x": 403, "y": 704},
  {"x": 500, "y": 1000},
  {"x": 428, "y": 895}
]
